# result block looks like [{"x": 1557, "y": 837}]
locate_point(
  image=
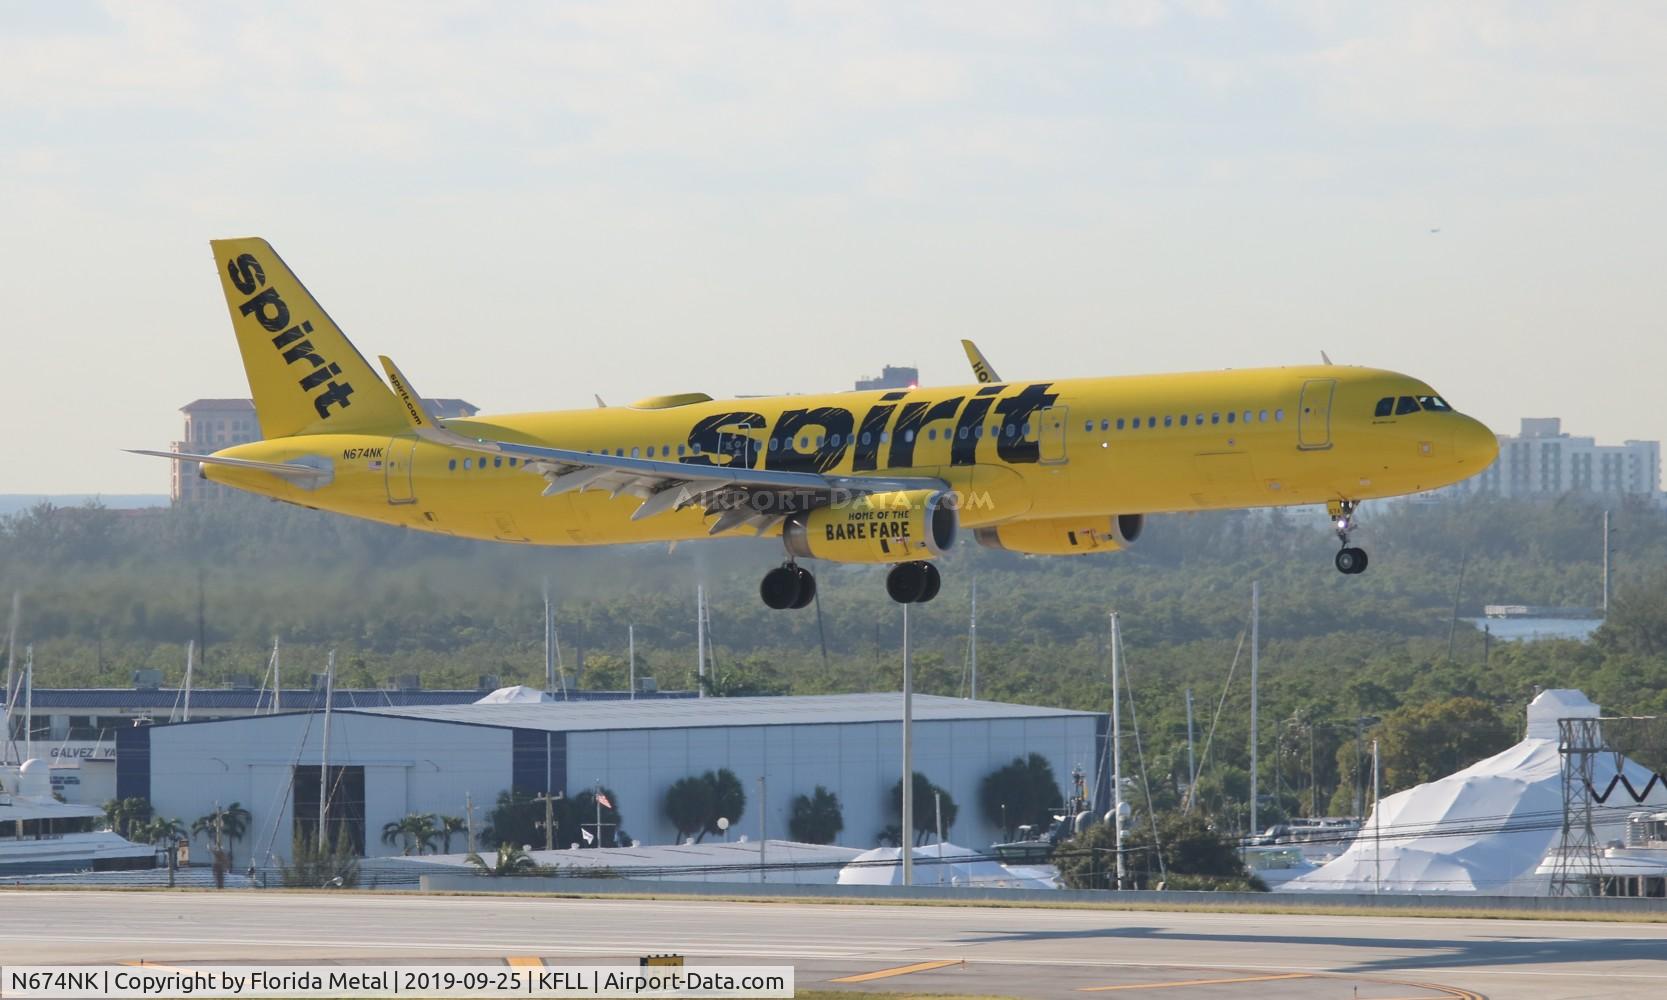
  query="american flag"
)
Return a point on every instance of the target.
[{"x": 600, "y": 797}]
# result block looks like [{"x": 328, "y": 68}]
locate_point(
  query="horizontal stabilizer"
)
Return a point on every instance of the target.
[{"x": 276, "y": 468}]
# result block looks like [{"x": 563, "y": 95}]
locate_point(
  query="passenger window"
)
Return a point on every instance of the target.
[
  {"x": 512, "y": 463},
  {"x": 695, "y": 448},
  {"x": 1088, "y": 426},
  {"x": 885, "y": 436},
  {"x": 978, "y": 432},
  {"x": 866, "y": 437},
  {"x": 1230, "y": 416},
  {"x": 963, "y": 434},
  {"x": 1386, "y": 406},
  {"x": 452, "y": 465},
  {"x": 1168, "y": 421},
  {"x": 932, "y": 435},
  {"x": 1151, "y": 421},
  {"x": 1278, "y": 415},
  {"x": 1119, "y": 423},
  {"x": 497, "y": 462},
  {"x": 1105, "y": 425},
  {"x": 1199, "y": 420},
  {"x": 804, "y": 442},
  {"x": 818, "y": 440},
  {"x": 1027, "y": 428},
  {"x": 834, "y": 441},
  {"x": 466, "y": 462},
  {"x": 1406, "y": 404},
  {"x": 775, "y": 444},
  {"x": 1215, "y": 418},
  {"x": 1183, "y": 420},
  {"x": 1262, "y": 417},
  {"x": 908, "y": 435},
  {"x": 680, "y": 451},
  {"x": 1247, "y": 416},
  {"x": 619, "y": 452}
]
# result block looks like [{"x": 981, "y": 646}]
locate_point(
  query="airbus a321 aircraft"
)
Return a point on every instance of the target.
[{"x": 1050, "y": 467}]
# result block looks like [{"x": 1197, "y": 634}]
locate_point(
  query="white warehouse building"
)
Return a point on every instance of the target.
[{"x": 390, "y": 762}]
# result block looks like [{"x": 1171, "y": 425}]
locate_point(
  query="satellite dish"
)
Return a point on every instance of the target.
[{"x": 723, "y": 823}]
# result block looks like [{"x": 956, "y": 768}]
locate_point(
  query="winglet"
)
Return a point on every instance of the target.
[
  {"x": 416, "y": 411},
  {"x": 981, "y": 369}
]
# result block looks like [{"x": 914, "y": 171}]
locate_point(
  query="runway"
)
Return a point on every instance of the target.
[{"x": 981, "y": 950}]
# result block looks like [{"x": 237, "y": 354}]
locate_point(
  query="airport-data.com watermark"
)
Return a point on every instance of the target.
[{"x": 333, "y": 981}]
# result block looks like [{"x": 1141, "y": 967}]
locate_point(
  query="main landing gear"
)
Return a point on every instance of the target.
[
  {"x": 791, "y": 586},
  {"x": 1350, "y": 560},
  {"x": 913, "y": 582},
  {"x": 788, "y": 586}
]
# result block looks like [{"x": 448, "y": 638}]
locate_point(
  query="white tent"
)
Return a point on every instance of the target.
[
  {"x": 1484, "y": 829},
  {"x": 884, "y": 866},
  {"x": 515, "y": 695}
]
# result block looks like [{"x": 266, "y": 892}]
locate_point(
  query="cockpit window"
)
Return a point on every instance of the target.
[
  {"x": 1405, "y": 405},
  {"x": 1386, "y": 406},
  {"x": 1434, "y": 404}
]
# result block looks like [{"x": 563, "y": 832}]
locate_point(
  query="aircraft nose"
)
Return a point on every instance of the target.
[{"x": 1474, "y": 444}]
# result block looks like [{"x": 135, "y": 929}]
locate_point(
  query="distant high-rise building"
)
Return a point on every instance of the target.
[
  {"x": 891, "y": 377},
  {"x": 213, "y": 424},
  {"x": 1544, "y": 461}
]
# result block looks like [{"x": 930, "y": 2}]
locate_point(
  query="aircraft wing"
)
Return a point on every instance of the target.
[
  {"x": 981, "y": 369},
  {"x": 738, "y": 495}
]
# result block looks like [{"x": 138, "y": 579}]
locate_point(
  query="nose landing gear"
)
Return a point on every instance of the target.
[
  {"x": 1350, "y": 560},
  {"x": 788, "y": 587}
]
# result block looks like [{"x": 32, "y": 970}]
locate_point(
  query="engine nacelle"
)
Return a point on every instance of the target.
[
  {"x": 1064, "y": 536},
  {"x": 877, "y": 528}
]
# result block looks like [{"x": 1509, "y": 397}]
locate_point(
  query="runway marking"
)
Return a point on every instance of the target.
[
  {"x": 901, "y": 970},
  {"x": 524, "y": 962},
  {"x": 1192, "y": 982}
]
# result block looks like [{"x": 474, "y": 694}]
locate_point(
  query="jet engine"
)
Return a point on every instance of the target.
[
  {"x": 900, "y": 526},
  {"x": 1064, "y": 536}
]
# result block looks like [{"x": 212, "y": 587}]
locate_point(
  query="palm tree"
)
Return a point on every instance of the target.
[
  {"x": 450, "y": 825},
  {"x": 415, "y": 830},
  {"x": 511, "y": 860},
  {"x": 397, "y": 831},
  {"x": 222, "y": 826},
  {"x": 126, "y": 814}
]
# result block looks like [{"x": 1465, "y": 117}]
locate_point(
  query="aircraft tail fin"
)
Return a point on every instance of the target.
[
  {"x": 306, "y": 377},
  {"x": 981, "y": 369}
]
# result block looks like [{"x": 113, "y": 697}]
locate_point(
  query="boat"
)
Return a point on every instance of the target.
[{"x": 39, "y": 834}]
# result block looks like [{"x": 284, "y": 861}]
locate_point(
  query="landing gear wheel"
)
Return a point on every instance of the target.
[
  {"x": 934, "y": 580},
  {"x": 1351, "y": 561},
  {"x": 913, "y": 582},
  {"x": 807, "y": 587},
  {"x": 781, "y": 587}
]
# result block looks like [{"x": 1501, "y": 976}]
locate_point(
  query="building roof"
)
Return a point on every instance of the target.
[
  {"x": 692, "y": 713},
  {"x": 294, "y": 699},
  {"x": 218, "y": 404}
]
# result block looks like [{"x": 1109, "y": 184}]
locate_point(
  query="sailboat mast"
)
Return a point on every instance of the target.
[
  {"x": 190, "y": 664},
  {"x": 324, "y": 763},
  {"x": 1116, "y": 749},
  {"x": 972, "y": 644},
  {"x": 1255, "y": 662}
]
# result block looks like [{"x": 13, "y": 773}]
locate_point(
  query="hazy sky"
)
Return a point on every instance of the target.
[{"x": 528, "y": 204}]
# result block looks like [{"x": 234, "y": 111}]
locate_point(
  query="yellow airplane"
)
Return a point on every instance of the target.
[{"x": 1050, "y": 467}]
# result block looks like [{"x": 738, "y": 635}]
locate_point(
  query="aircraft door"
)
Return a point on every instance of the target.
[
  {"x": 1314, "y": 416},
  {"x": 1051, "y": 422},
  {"x": 397, "y": 469}
]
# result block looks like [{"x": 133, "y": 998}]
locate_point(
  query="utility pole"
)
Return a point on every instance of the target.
[
  {"x": 972, "y": 642},
  {"x": 550, "y": 818},
  {"x": 1255, "y": 669},
  {"x": 1116, "y": 749},
  {"x": 1606, "y": 552},
  {"x": 1359, "y": 743},
  {"x": 906, "y": 837},
  {"x": 1192, "y": 767}
]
